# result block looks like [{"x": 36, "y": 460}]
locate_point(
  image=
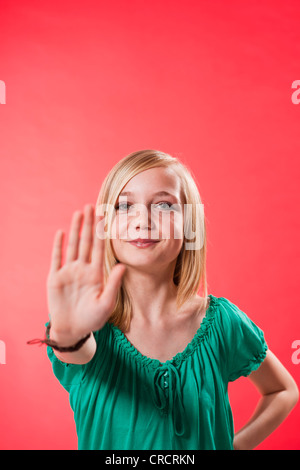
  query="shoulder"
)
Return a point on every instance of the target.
[
  {"x": 230, "y": 319},
  {"x": 229, "y": 312},
  {"x": 235, "y": 324}
]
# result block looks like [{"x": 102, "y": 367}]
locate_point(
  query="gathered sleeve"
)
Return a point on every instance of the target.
[
  {"x": 71, "y": 375},
  {"x": 245, "y": 347}
]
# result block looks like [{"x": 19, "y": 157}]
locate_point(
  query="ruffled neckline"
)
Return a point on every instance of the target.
[{"x": 199, "y": 336}]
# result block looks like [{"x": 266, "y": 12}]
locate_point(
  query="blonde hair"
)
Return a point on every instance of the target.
[{"x": 190, "y": 268}]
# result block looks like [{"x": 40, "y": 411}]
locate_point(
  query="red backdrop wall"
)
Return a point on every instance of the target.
[{"x": 86, "y": 83}]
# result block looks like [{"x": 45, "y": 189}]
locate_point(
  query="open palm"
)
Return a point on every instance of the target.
[{"x": 78, "y": 300}]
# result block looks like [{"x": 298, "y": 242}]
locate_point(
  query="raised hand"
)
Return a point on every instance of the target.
[{"x": 78, "y": 300}]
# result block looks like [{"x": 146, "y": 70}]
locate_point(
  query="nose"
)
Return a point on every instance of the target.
[
  {"x": 144, "y": 221},
  {"x": 144, "y": 218}
]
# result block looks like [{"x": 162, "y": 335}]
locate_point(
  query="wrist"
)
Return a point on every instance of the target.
[
  {"x": 240, "y": 442},
  {"x": 61, "y": 342},
  {"x": 62, "y": 338},
  {"x": 64, "y": 342}
]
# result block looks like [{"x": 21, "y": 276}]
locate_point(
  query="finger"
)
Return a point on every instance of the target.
[
  {"x": 109, "y": 294},
  {"x": 86, "y": 241},
  {"x": 99, "y": 245},
  {"x": 72, "y": 248},
  {"x": 56, "y": 256}
]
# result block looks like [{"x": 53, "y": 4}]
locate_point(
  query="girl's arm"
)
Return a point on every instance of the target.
[{"x": 279, "y": 396}]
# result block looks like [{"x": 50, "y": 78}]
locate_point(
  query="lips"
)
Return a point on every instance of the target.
[
  {"x": 144, "y": 240},
  {"x": 143, "y": 243}
]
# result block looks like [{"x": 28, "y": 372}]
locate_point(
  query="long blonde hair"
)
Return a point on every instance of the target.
[{"x": 190, "y": 269}]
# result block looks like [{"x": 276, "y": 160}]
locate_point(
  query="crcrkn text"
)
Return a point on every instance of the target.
[{"x": 154, "y": 459}]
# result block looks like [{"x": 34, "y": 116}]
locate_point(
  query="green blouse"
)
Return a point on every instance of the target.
[{"x": 123, "y": 400}]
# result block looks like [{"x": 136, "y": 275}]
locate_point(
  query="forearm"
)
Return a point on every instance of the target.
[{"x": 271, "y": 410}]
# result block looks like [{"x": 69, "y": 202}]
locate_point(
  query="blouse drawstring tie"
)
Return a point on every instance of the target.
[{"x": 167, "y": 395}]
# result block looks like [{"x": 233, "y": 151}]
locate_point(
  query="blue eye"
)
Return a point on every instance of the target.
[
  {"x": 119, "y": 205},
  {"x": 168, "y": 204}
]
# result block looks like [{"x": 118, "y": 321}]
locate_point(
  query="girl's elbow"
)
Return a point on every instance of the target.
[{"x": 294, "y": 392}]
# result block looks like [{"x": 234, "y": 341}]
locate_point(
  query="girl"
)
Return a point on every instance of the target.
[{"x": 145, "y": 359}]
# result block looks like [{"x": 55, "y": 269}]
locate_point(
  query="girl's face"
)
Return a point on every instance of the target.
[{"x": 146, "y": 211}]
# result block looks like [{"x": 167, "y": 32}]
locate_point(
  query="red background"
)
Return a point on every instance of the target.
[{"x": 89, "y": 82}]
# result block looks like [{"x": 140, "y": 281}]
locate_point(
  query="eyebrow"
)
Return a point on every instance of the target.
[{"x": 159, "y": 193}]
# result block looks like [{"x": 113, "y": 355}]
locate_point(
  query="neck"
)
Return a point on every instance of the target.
[{"x": 153, "y": 294}]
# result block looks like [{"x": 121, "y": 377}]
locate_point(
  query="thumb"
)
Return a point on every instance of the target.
[{"x": 114, "y": 281}]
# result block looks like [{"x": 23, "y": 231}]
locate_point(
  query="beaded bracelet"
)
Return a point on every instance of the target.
[{"x": 55, "y": 346}]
